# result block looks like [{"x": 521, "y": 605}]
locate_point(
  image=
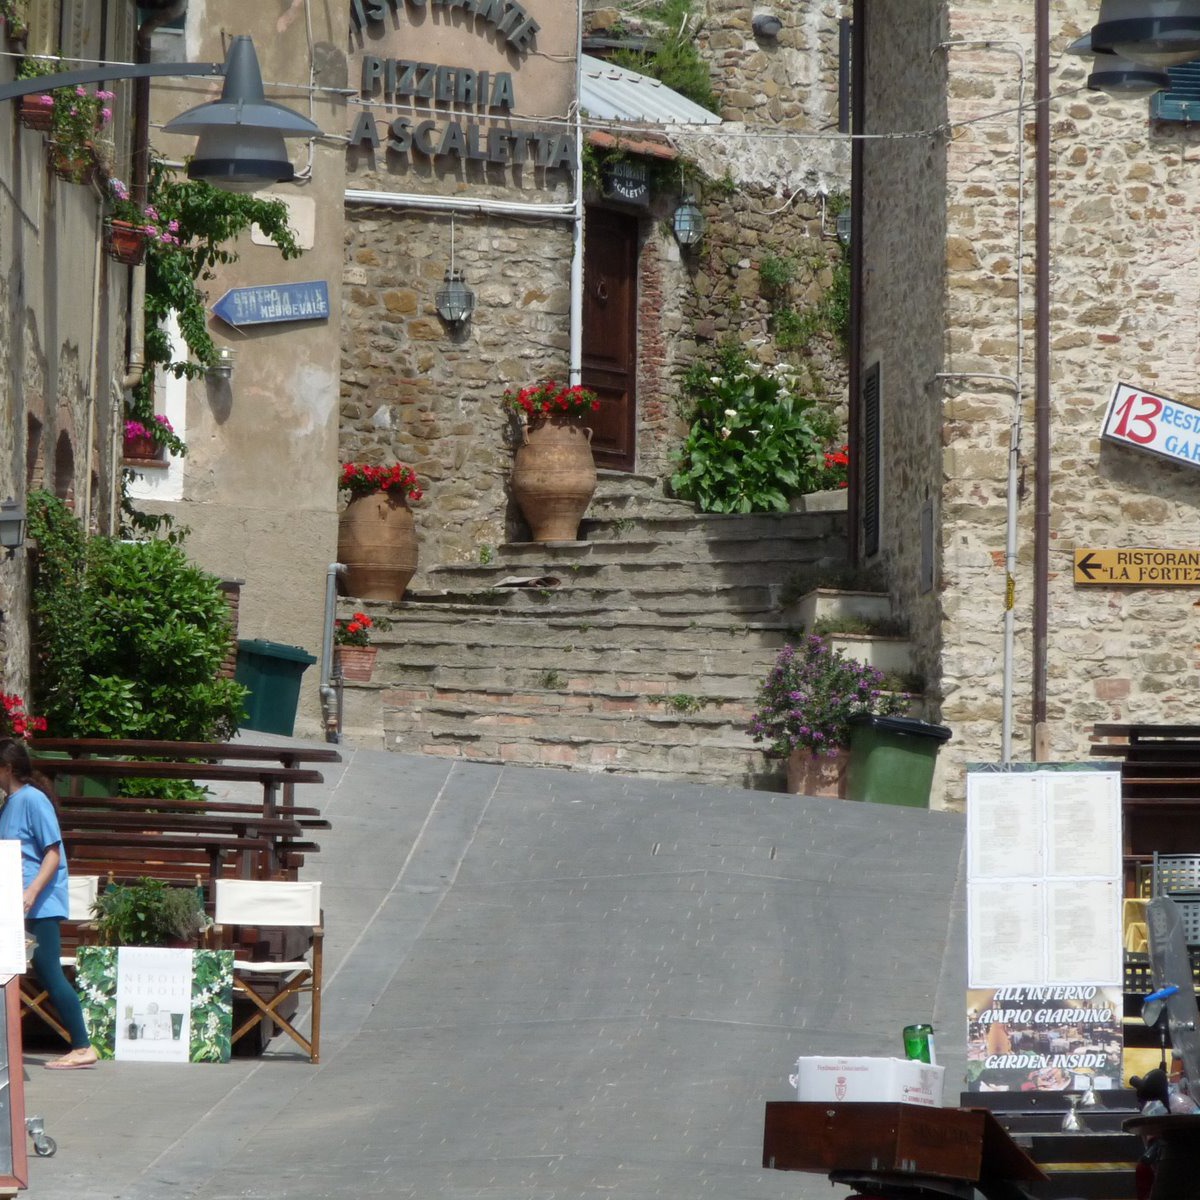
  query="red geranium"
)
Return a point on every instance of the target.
[
  {"x": 551, "y": 399},
  {"x": 16, "y": 722},
  {"x": 359, "y": 479},
  {"x": 837, "y": 468},
  {"x": 354, "y": 632}
]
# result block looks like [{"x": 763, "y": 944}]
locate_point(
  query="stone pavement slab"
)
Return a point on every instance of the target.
[{"x": 545, "y": 984}]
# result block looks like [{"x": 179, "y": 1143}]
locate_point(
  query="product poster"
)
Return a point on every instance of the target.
[
  {"x": 146, "y": 1004},
  {"x": 1044, "y": 1039}
]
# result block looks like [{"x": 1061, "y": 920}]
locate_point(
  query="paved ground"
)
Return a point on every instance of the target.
[{"x": 543, "y": 985}]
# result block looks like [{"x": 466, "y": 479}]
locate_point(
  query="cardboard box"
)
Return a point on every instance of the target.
[{"x": 868, "y": 1081}]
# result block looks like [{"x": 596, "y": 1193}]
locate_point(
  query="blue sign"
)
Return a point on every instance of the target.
[{"x": 274, "y": 303}]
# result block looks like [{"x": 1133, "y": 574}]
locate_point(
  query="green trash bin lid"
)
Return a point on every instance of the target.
[
  {"x": 275, "y": 650},
  {"x": 908, "y": 726}
]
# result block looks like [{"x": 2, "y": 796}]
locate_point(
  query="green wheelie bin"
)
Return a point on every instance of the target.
[{"x": 892, "y": 760}]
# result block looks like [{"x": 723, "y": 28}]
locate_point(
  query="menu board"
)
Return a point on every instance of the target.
[
  {"x": 1044, "y": 949},
  {"x": 12, "y": 910}
]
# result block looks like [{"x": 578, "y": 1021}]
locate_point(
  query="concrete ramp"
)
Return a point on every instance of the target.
[{"x": 549, "y": 984}]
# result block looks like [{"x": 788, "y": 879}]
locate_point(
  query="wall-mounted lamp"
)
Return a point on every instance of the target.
[
  {"x": 222, "y": 365},
  {"x": 688, "y": 222},
  {"x": 12, "y": 526},
  {"x": 1151, "y": 33},
  {"x": 766, "y": 26},
  {"x": 1113, "y": 73},
  {"x": 845, "y": 227},
  {"x": 455, "y": 301}
]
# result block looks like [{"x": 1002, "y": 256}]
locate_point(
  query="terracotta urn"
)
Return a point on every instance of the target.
[
  {"x": 554, "y": 477},
  {"x": 377, "y": 542}
]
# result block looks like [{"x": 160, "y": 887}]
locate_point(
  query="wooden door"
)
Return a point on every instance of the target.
[{"x": 610, "y": 251}]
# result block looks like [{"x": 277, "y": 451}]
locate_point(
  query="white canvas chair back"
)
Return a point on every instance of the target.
[
  {"x": 276, "y": 902},
  {"x": 267, "y": 984},
  {"x": 81, "y": 895}
]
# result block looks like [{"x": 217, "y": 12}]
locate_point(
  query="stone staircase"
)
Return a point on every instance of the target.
[{"x": 638, "y": 649}]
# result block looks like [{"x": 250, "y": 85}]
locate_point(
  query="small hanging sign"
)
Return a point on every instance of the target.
[{"x": 274, "y": 303}]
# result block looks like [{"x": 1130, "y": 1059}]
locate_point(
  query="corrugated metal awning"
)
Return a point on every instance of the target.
[{"x": 611, "y": 93}]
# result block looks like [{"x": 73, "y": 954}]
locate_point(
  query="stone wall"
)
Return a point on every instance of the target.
[
  {"x": 417, "y": 392},
  {"x": 61, "y": 349},
  {"x": 1122, "y": 276}
]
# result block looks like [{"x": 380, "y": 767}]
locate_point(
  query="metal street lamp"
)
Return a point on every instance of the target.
[
  {"x": 241, "y": 135},
  {"x": 12, "y": 526}
]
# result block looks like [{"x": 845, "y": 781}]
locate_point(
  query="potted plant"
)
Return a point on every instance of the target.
[
  {"x": 352, "y": 652},
  {"x": 77, "y": 117},
  {"x": 377, "y": 541},
  {"x": 130, "y": 227},
  {"x": 37, "y": 110},
  {"x": 15, "y": 721},
  {"x": 149, "y": 912},
  {"x": 804, "y": 710},
  {"x": 554, "y": 475},
  {"x": 143, "y": 440}
]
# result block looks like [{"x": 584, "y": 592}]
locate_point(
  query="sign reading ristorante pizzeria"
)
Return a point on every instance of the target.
[{"x": 460, "y": 110}]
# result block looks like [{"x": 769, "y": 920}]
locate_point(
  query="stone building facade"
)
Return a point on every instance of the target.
[
  {"x": 949, "y": 293},
  {"x": 416, "y": 390},
  {"x": 63, "y": 340}
]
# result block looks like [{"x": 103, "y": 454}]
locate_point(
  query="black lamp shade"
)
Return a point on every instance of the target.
[{"x": 1151, "y": 33}]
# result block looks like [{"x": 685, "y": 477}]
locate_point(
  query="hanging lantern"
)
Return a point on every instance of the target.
[
  {"x": 455, "y": 301},
  {"x": 688, "y": 222},
  {"x": 1151, "y": 33}
]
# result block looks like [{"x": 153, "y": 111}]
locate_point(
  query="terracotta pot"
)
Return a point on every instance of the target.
[
  {"x": 377, "y": 542},
  {"x": 143, "y": 446},
  {"x": 37, "y": 112},
  {"x": 554, "y": 478},
  {"x": 76, "y": 168},
  {"x": 355, "y": 662},
  {"x": 810, "y": 774},
  {"x": 125, "y": 242}
]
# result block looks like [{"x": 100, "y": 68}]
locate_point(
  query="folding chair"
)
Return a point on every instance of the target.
[
  {"x": 81, "y": 895},
  {"x": 275, "y": 904}
]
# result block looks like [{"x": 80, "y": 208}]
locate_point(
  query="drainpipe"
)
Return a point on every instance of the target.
[
  {"x": 136, "y": 364},
  {"x": 577, "y": 231},
  {"x": 858, "y": 91},
  {"x": 330, "y": 691},
  {"x": 95, "y": 367},
  {"x": 1041, "y": 411}
]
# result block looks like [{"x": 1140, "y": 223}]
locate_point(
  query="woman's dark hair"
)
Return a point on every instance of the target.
[{"x": 15, "y": 754}]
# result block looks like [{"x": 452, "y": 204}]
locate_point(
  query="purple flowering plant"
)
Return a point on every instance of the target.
[
  {"x": 144, "y": 217},
  {"x": 810, "y": 695}
]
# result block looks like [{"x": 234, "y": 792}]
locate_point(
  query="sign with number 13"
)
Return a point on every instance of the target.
[{"x": 1155, "y": 423}]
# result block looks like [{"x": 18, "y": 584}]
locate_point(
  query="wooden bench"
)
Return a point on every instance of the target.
[{"x": 183, "y": 842}]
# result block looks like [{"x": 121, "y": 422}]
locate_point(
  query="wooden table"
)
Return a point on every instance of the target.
[{"x": 898, "y": 1149}]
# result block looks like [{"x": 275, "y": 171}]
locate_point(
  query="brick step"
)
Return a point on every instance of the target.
[
  {"x": 477, "y": 624},
  {"x": 709, "y": 527},
  {"x": 598, "y": 668},
  {"x": 669, "y": 598},
  {"x": 700, "y": 746}
]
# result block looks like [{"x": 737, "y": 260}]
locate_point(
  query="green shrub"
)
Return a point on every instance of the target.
[
  {"x": 128, "y": 637},
  {"x": 754, "y": 443}
]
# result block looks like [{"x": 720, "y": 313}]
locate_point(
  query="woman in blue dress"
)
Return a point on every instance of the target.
[{"x": 28, "y": 816}]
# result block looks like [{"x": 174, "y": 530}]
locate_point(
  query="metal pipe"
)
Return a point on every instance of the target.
[
  {"x": 330, "y": 702},
  {"x": 94, "y": 368},
  {"x": 858, "y": 93},
  {"x": 499, "y": 208},
  {"x": 577, "y": 231},
  {"x": 1041, "y": 410}
]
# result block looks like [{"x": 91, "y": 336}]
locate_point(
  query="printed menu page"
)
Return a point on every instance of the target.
[{"x": 12, "y": 910}]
